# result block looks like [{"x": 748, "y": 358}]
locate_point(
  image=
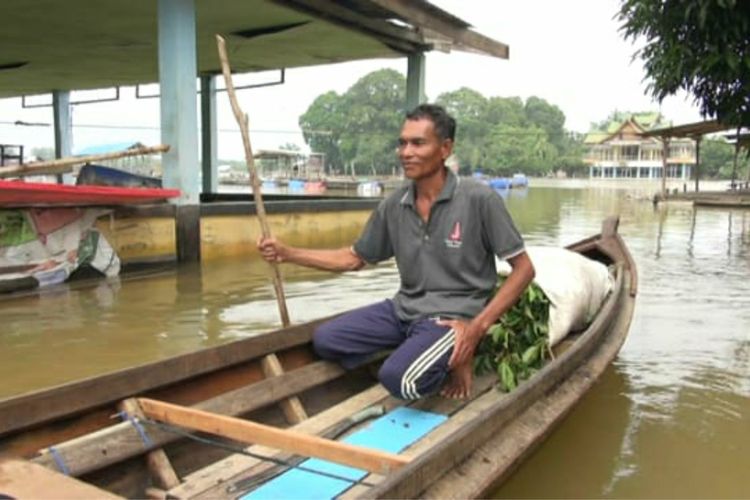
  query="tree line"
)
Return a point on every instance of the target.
[
  {"x": 498, "y": 136},
  {"x": 358, "y": 130}
]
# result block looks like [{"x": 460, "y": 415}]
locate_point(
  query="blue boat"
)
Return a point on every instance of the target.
[
  {"x": 499, "y": 183},
  {"x": 296, "y": 185},
  {"x": 99, "y": 175}
]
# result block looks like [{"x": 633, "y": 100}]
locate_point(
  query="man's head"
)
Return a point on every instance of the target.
[
  {"x": 445, "y": 124},
  {"x": 426, "y": 140}
]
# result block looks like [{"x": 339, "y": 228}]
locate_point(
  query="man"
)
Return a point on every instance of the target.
[{"x": 444, "y": 233}]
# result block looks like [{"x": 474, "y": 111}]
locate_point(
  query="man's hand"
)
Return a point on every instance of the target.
[
  {"x": 467, "y": 337},
  {"x": 272, "y": 250}
]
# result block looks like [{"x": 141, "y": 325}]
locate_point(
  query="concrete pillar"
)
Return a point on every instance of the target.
[
  {"x": 179, "y": 118},
  {"x": 665, "y": 156},
  {"x": 415, "y": 78},
  {"x": 697, "y": 161},
  {"x": 209, "y": 135},
  {"x": 63, "y": 123}
]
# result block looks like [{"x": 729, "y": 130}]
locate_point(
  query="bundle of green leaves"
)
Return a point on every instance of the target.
[{"x": 517, "y": 345}]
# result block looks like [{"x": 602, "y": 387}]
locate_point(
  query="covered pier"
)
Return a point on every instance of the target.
[
  {"x": 694, "y": 131},
  {"x": 57, "y": 47}
]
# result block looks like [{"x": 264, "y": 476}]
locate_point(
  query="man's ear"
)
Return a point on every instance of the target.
[{"x": 447, "y": 148}]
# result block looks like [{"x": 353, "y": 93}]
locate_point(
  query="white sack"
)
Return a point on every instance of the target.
[{"x": 575, "y": 285}]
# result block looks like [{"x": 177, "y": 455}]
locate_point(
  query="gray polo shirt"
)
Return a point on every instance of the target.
[{"x": 446, "y": 264}]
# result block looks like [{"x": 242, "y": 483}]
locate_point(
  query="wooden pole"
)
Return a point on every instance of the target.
[
  {"x": 271, "y": 366},
  {"x": 295, "y": 442},
  {"x": 63, "y": 165}
]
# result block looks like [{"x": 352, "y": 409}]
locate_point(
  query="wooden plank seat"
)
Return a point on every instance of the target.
[{"x": 22, "y": 479}]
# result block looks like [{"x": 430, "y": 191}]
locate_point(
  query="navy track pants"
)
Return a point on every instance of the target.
[{"x": 417, "y": 366}]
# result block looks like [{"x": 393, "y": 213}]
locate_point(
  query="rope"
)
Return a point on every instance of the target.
[
  {"x": 59, "y": 460},
  {"x": 147, "y": 442}
]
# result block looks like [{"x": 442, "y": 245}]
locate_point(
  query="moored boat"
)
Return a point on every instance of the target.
[
  {"x": 69, "y": 429},
  {"x": 499, "y": 183},
  {"x": 519, "y": 181},
  {"x": 315, "y": 187},
  {"x": 369, "y": 188}
]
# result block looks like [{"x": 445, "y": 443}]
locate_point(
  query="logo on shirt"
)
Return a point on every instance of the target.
[{"x": 454, "y": 238}]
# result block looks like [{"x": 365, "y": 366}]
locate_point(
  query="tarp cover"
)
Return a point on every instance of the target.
[{"x": 44, "y": 246}]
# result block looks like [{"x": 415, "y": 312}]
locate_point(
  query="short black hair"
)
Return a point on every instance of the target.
[{"x": 445, "y": 124}]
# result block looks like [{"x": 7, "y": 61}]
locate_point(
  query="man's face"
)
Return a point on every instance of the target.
[{"x": 420, "y": 150}]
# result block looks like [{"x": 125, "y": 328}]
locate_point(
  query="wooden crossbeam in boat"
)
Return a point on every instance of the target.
[
  {"x": 159, "y": 466},
  {"x": 118, "y": 442},
  {"x": 212, "y": 481},
  {"x": 286, "y": 440},
  {"x": 292, "y": 407}
]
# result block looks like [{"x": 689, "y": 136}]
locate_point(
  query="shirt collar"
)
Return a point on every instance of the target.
[{"x": 449, "y": 188}]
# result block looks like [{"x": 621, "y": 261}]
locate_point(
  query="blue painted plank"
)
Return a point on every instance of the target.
[{"x": 392, "y": 433}]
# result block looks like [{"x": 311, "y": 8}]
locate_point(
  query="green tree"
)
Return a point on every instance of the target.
[
  {"x": 717, "y": 159},
  {"x": 519, "y": 149},
  {"x": 700, "y": 46},
  {"x": 357, "y": 130},
  {"x": 375, "y": 108},
  {"x": 469, "y": 108},
  {"x": 571, "y": 160},
  {"x": 322, "y": 127},
  {"x": 549, "y": 118},
  {"x": 501, "y": 135},
  {"x": 507, "y": 110}
]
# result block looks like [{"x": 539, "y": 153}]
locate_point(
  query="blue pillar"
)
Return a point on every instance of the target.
[
  {"x": 63, "y": 123},
  {"x": 179, "y": 118},
  {"x": 209, "y": 136},
  {"x": 415, "y": 78}
]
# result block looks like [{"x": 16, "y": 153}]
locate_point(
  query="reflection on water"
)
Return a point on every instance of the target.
[
  {"x": 686, "y": 366},
  {"x": 669, "y": 419}
]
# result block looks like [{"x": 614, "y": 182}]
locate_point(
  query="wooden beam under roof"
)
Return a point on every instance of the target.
[
  {"x": 398, "y": 38},
  {"x": 426, "y": 16},
  {"x": 689, "y": 130}
]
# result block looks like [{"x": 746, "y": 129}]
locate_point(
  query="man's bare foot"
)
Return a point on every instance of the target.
[{"x": 459, "y": 383}]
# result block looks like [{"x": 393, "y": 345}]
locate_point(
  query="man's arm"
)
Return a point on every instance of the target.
[
  {"x": 469, "y": 334},
  {"x": 338, "y": 260},
  {"x": 521, "y": 275}
]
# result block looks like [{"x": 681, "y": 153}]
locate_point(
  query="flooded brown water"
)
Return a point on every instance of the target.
[{"x": 670, "y": 418}]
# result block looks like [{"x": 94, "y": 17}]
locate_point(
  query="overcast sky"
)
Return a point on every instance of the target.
[{"x": 567, "y": 52}]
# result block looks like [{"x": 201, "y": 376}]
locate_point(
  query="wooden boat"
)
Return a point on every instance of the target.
[
  {"x": 720, "y": 199},
  {"x": 65, "y": 442},
  {"x": 37, "y": 194}
]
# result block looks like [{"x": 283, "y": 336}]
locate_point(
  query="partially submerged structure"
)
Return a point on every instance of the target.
[{"x": 57, "y": 47}]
